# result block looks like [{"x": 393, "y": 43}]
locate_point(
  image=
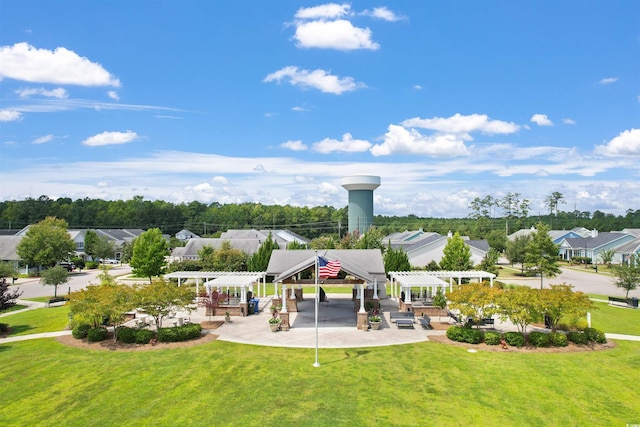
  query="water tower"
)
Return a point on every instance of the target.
[{"x": 360, "y": 188}]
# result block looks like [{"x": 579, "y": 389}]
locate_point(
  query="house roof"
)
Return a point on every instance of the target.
[
  {"x": 593, "y": 243},
  {"x": 8, "y": 246},
  {"x": 366, "y": 264},
  {"x": 193, "y": 246}
]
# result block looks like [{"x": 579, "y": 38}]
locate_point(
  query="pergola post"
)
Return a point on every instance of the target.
[
  {"x": 375, "y": 289},
  {"x": 362, "y": 298},
  {"x": 284, "y": 298}
]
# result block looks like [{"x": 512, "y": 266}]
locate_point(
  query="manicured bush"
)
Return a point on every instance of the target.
[
  {"x": 91, "y": 264},
  {"x": 143, "y": 336},
  {"x": 594, "y": 335},
  {"x": 539, "y": 339},
  {"x": 80, "y": 330},
  {"x": 126, "y": 335},
  {"x": 472, "y": 336},
  {"x": 577, "y": 337},
  {"x": 454, "y": 333},
  {"x": 179, "y": 333},
  {"x": 97, "y": 334},
  {"x": 492, "y": 338},
  {"x": 558, "y": 339},
  {"x": 514, "y": 339},
  {"x": 4, "y": 327}
]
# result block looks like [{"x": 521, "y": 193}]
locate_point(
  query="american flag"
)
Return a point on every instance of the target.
[{"x": 328, "y": 268}]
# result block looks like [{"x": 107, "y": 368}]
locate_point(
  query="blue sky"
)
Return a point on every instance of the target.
[{"x": 275, "y": 101}]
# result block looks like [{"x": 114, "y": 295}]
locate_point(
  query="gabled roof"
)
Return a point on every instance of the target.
[
  {"x": 8, "y": 246},
  {"x": 366, "y": 264},
  {"x": 630, "y": 247},
  {"x": 193, "y": 246},
  {"x": 120, "y": 236},
  {"x": 593, "y": 243}
]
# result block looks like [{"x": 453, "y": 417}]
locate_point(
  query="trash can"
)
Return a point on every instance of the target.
[
  {"x": 255, "y": 302},
  {"x": 634, "y": 302},
  {"x": 252, "y": 307}
]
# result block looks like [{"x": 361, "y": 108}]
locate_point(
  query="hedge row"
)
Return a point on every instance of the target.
[
  {"x": 179, "y": 333},
  {"x": 138, "y": 336},
  {"x": 517, "y": 339}
]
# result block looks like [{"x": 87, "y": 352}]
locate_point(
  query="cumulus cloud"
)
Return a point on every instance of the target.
[
  {"x": 60, "y": 66},
  {"x": 382, "y": 13},
  {"x": 608, "y": 80},
  {"x": 568, "y": 121},
  {"x": 220, "y": 180},
  {"x": 324, "y": 11},
  {"x": 49, "y": 93},
  {"x": 10, "y": 116},
  {"x": 399, "y": 140},
  {"x": 460, "y": 124},
  {"x": 294, "y": 145},
  {"x": 627, "y": 143},
  {"x": 346, "y": 145},
  {"x": 111, "y": 138},
  {"x": 316, "y": 79},
  {"x": 339, "y": 34},
  {"x": 541, "y": 120},
  {"x": 43, "y": 139},
  {"x": 113, "y": 95}
]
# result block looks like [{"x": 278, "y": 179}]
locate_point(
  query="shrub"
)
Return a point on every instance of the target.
[
  {"x": 143, "y": 336},
  {"x": 80, "y": 331},
  {"x": 91, "y": 265},
  {"x": 179, "y": 333},
  {"x": 492, "y": 338},
  {"x": 4, "y": 327},
  {"x": 472, "y": 336},
  {"x": 539, "y": 339},
  {"x": 558, "y": 339},
  {"x": 594, "y": 335},
  {"x": 577, "y": 337},
  {"x": 514, "y": 339},
  {"x": 97, "y": 334},
  {"x": 454, "y": 333},
  {"x": 126, "y": 335}
]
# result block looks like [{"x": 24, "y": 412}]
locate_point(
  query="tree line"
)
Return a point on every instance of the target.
[{"x": 489, "y": 217}]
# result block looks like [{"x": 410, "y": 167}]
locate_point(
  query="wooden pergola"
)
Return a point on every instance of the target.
[{"x": 405, "y": 280}]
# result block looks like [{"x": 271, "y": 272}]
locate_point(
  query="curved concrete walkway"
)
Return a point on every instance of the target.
[{"x": 336, "y": 328}]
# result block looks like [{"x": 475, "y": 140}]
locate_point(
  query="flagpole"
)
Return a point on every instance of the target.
[{"x": 317, "y": 364}]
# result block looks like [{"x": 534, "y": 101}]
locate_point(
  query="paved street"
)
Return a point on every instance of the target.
[
  {"x": 585, "y": 280},
  {"x": 32, "y": 288}
]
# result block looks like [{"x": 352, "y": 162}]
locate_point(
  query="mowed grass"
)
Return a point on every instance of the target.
[
  {"x": 616, "y": 320},
  {"x": 37, "y": 321},
  {"x": 221, "y": 383}
]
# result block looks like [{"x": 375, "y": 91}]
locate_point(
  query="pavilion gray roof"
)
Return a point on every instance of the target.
[{"x": 366, "y": 264}]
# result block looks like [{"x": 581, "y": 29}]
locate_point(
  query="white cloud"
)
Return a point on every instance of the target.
[
  {"x": 346, "y": 145},
  {"x": 541, "y": 120},
  {"x": 299, "y": 108},
  {"x": 43, "y": 139},
  {"x": 382, "y": 13},
  {"x": 113, "y": 95},
  {"x": 294, "y": 145},
  {"x": 417, "y": 87},
  {"x": 399, "y": 140},
  {"x": 328, "y": 188},
  {"x": 330, "y": 10},
  {"x": 460, "y": 124},
  {"x": 317, "y": 79},
  {"x": 608, "y": 80},
  {"x": 52, "y": 93},
  {"x": 627, "y": 143},
  {"x": 220, "y": 180},
  {"x": 10, "y": 116},
  {"x": 339, "y": 34},
  {"x": 61, "y": 66},
  {"x": 568, "y": 121},
  {"x": 111, "y": 138}
]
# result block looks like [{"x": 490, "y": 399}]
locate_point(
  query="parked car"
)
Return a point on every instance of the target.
[
  {"x": 109, "y": 261},
  {"x": 69, "y": 266}
]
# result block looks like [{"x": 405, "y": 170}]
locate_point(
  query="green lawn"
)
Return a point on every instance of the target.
[
  {"x": 38, "y": 320},
  {"x": 616, "y": 320},
  {"x": 223, "y": 383},
  {"x": 13, "y": 308}
]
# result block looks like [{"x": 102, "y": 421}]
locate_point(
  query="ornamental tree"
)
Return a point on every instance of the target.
[
  {"x": 159, "y": 298},
  {"x": 520, "y": 305},
  {"x": 457, "y": 255},
  {"x": 54, "y": 276},
  {"x": 474, "y": 300},
  {"x": 149, "y": 251},
  {"x": 628, "y": 275},
  {"x": 541, "y": 254},
  {"x": 559, "y": 301},
  {"x": 46, "y": 243}
]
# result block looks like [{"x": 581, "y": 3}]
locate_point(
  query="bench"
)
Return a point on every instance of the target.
[
  {"x": 453, "y": 316},
  {"x": 425, "y": 322},
  {"x": 403, "y": 319},
  {"x": 56, "y": 300},
  {"x": 486, "y": 321},
  {"x": 616, "y": 300}
]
